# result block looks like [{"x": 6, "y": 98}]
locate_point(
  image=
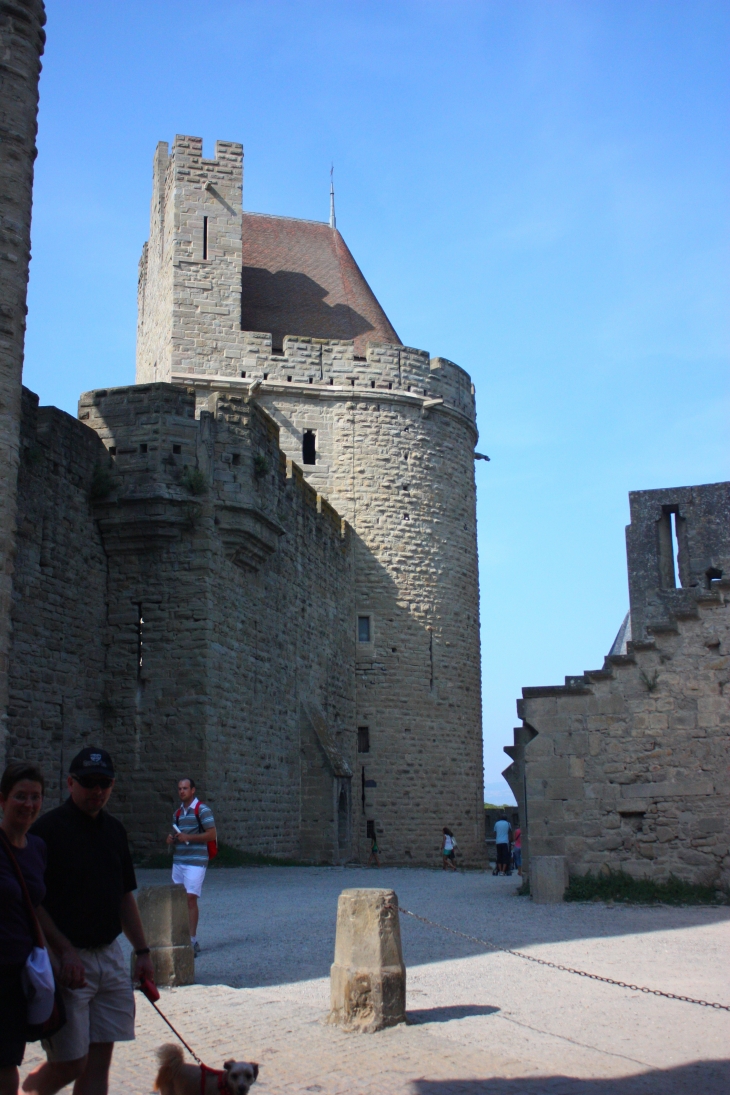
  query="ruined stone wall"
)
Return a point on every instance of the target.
[
  {"x": 22, "y": 40},
  {"x": 626, "y": 767},
  {"x": 230, "y": 607},
  {"x": 629, "y": 768},
  {"x": 57, "y": 652}
]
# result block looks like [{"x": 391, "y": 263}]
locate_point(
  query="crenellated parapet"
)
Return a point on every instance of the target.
[
  {"x": 170, "y": 472},
  {"x": 328, "y": 368}
]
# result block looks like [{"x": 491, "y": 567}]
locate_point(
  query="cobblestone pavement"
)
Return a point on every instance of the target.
[{"x": 480, "y": 1024}]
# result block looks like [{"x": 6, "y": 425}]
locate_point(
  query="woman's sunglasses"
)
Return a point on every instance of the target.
[{"x": 89, "y": 782}]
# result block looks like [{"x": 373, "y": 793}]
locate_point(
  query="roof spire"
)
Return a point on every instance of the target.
[{"x": 333, "y": 219}]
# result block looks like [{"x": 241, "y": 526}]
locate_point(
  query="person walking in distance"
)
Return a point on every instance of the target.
[
  {"x": 374, "y": 857},
  {"x": 193, "y": 832},
  {"x": 448, "y": 849},
  {"x": 502, "y": 829},
  {"x": 517, "y": 851},
  {"x": 89, "y": 897}
]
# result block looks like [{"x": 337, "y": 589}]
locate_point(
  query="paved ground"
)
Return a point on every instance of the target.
[{"x": 480, "y": 1024}]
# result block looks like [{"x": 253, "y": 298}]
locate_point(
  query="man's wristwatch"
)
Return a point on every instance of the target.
[{"x": 141, "y": 951}]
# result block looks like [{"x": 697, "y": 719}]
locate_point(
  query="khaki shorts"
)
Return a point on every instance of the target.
[{"x": 102, "y": 1011}]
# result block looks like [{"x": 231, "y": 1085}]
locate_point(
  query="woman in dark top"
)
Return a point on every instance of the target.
[{"x": 21, "y": 798}]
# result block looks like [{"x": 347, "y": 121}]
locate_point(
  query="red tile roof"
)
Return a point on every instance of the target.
[{"x": 299, "y": 278}]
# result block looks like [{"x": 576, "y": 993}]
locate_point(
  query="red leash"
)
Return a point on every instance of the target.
[{"x": 150, "y": 990}]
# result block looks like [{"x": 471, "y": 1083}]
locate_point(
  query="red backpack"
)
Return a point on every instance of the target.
[{"x": 212, "y": 844}]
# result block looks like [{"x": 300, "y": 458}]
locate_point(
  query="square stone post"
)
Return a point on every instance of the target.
[
  {"x": 164, "y": 912},
  {"x": 368, "y": 976},
  {"x": 548, "y": 878}
]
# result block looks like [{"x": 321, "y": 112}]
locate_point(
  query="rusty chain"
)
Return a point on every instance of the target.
[{"x": 557, "y": 966}]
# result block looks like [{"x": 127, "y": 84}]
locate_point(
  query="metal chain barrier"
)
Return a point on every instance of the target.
[{"x": 557, "y": 966}]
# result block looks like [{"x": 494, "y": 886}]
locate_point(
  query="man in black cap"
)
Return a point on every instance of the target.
[{"x": 89, "y": 897}]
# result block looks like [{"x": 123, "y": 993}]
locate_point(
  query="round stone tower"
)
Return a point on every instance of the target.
[{"x": 391, "y": 445}]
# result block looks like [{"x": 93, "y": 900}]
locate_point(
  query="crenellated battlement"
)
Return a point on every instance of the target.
[
  {"x": 329, "y": 367},
  {"x": 227, "y": 461}
]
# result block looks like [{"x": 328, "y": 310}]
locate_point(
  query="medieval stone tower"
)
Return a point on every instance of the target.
[{"x": 275, "y": 311}]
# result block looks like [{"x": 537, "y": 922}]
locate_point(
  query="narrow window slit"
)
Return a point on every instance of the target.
[{"x": 309, "y": 447}]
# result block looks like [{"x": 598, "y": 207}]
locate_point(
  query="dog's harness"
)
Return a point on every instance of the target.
[{"x": 219, "y": 1075}]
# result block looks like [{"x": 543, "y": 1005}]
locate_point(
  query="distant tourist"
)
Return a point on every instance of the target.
[
  {"x": 374, "y": 857},
  {"x": 517, "y": 851},
  {"x": 193, "y": 831},
  {"x": 502, "y": 830},
  {"x": 89, "y": 896},
  {"x": 448, "y": 849}
]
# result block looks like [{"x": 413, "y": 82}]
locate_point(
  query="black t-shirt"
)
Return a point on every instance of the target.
[
  {"x": 89, "y": 871},
  {"x": 16, "y": 935}
]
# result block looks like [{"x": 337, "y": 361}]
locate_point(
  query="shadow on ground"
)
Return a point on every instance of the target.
[
  {"x": 275, "y": 925},
  {"x": 449, "y": 1012},
  {"x": 708, "y": 1077}
]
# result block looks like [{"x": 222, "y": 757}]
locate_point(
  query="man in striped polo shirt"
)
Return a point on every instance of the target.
[{"x": 193, "y": 828}]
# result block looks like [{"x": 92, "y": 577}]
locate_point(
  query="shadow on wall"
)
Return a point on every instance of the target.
[
  {"x": 710, "y": 1077},
  {"x": 289, "y": 303}
]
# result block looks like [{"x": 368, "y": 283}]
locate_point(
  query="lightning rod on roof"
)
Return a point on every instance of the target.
[{"x": 333, "y": 219}]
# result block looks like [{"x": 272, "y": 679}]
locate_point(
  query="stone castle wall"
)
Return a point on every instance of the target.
[
  {"x": 626, "y": 767},
  {"x": 394, "y": 434},
  {"x": 22, "y": 40},
  {"x": 230, "y": 623},
  {"x": 57, "y": 657}
]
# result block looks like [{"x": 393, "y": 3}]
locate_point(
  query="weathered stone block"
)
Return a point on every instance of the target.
[
  {"x": 548, "y": 878},
  {"x": 368, "y": 976},
  {"x": 164, "y": 913}
]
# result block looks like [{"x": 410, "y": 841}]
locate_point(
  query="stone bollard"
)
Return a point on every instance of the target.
[
  {"x": 548, "y": 878},
  {"x": 368, "y": 976},
  {"x": 164, "y": 912}
]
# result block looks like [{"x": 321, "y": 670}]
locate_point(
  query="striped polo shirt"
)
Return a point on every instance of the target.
[{"x": 192, "y": 855}]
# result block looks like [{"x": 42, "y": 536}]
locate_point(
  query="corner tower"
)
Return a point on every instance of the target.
[{"x": 278, "y": 308}]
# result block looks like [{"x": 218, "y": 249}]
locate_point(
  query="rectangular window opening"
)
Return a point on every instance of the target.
[
  {"x": 177, "y": 449},
  {"x": 112, "y": 450},
  {"x": 370, "y": 830},
  {"x": 363, "y": 629},
  {"x": 205, "y": 237},
  {"x": 243, "y": 375},
  {"x": 363, "y": 739},
  {"x": 143, "y": 447},
  {"x": 309, "y": 447},
  {"x": 236, "y": 459}
]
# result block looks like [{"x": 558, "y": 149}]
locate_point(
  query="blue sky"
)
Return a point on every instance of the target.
[{"x": 538, "y": 191}]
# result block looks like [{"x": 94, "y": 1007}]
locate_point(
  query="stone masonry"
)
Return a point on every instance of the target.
[
  {"x": 258, "y": 564},
  {"x": 626, "y": 767},
  {"x": 391, "y": 436},
  {"x": 183, "y": 598},
  {"x": 22, "y": 39}
]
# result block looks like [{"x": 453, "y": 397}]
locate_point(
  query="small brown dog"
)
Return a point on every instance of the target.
[{"x": 177, "y": 1078}]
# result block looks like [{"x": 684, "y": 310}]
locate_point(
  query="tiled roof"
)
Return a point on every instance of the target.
[{"x": 299, "y": 278}]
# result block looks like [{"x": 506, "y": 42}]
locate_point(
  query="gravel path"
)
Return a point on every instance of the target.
[{"x": 480, "y": 1023}]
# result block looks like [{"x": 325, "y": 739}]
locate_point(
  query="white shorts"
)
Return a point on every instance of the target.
[
  {"x": 190, "y": 877},
  {"x": 102, "y": 1011}
]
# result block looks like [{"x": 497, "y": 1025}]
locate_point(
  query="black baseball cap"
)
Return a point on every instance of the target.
[{"x": 92, "y": 761}]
